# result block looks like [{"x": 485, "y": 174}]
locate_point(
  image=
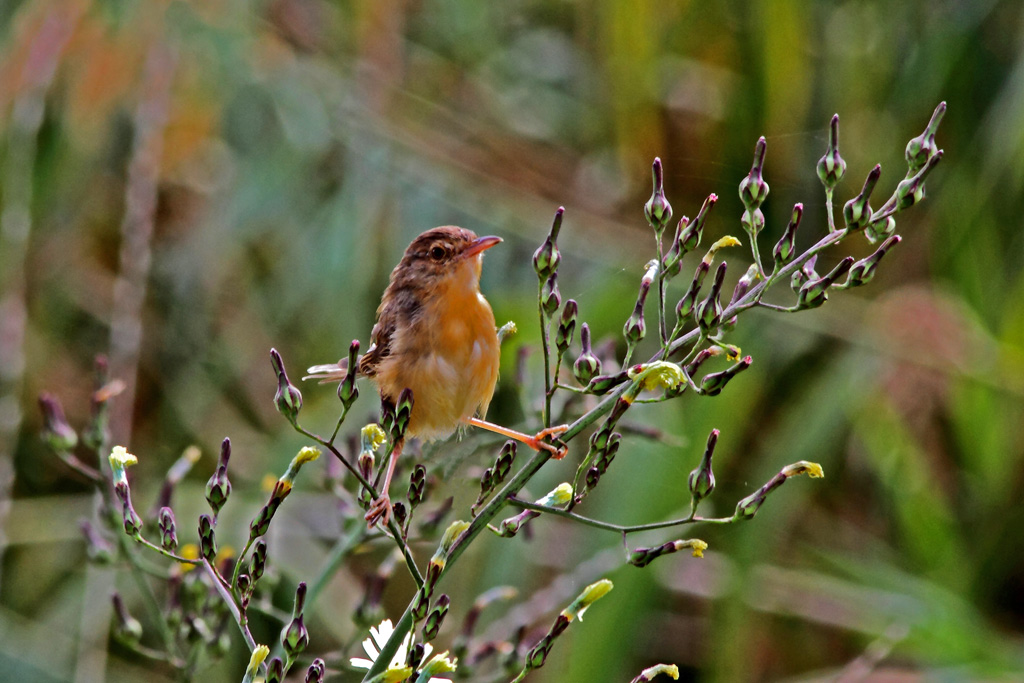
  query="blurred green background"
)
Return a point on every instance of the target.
[{"x": 185, "y": 184}]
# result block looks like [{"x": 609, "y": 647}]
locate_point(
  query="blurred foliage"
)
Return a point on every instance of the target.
[{"x": 300, "y": 144}]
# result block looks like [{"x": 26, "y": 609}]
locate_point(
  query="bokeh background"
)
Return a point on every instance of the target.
[{"x": 185, "y": 184}]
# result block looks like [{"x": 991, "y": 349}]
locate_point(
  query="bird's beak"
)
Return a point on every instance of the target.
[{"x": 480, "y": 244}]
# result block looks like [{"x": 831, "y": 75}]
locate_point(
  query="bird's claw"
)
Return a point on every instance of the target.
[
  {"x": 379, "y": 512},
  {"x": 558, "y": 450}
]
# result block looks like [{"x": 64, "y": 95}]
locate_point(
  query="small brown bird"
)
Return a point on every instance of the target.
[{"x": 435, "y": 335}]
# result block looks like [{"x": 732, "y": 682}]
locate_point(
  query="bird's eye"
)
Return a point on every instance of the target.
[{"x": 437, "y": 253}]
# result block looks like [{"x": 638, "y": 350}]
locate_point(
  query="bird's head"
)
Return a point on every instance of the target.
[{"x": 445, "y": 256}]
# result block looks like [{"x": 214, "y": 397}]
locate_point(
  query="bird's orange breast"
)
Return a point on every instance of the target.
[{"x": 448, "y": 356}]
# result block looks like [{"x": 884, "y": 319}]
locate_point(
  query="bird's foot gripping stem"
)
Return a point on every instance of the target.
[
  {"x": 536, "y": 442},
  {"x": 379, "y": 512}
]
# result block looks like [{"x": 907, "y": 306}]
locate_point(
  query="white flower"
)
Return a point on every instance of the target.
[{"x": 379, "y": 636}]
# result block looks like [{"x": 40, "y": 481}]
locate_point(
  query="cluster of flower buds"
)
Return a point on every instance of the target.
[
  {"x": 550, "y": 297},
  {"x": 641, "y": 557},
  {"x": 260, "y": 524},
  {"x": 557, "y": 497},
  {"x": 814, "y": 292},
  {"x": 538, "y": 654},
  {"x": 831, "y": 167},
  {"x": 657, "y": 210},
  {"x": 604, "y": 444},
  {"x": 922, "y": 149},
  {"x": 587, "y": 366},
  {"x": 547, "y": 256},
  {"x": 566, "y": 327},
  {"x": 287, "y": 399},
  {"x": 294, "y": 637},
  {"x": 417, "y": 485},
  {"x": 702, "y": 479},
  {"x": 347, "y": 390},
  {"x": 218, "y": 488},
  {"x": 753, "y": 191},
  {"x": 785, "y": 249},
  {"x": 748, "y": 507},
  {"x": 494, "y": 476},
  {"x": 258, "y": 560},
  {"x": 403, "y": 413}
]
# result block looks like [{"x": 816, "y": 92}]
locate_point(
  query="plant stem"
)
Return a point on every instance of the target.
[
  {"x": 618, "y": 528},
  {"x": 546, "y": 415}
]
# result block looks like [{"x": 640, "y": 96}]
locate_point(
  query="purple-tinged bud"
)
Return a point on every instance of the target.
[
  {"x": 587, "y": 365},
  {"x": 744, "y": 284},
  {"x": 880, "y": 230},
  {"x": 288, "y": 399},
  {"x": 691, "y": 235},
  {"x": 713, "y": 384},
  {"x": 550, "y": 297},
  {"x": 436, "y": 617},
  {"x": 131, "y": 519},
  {"x": 503, "y": 465},
  {"x": 403, "y": 413},
  {"x": 57, "y": 433},
  {"x": 709, "y": 311},
  {"x": 315, "y": 672},
  {"x": 417, "y": 486},
  {"x": 857, "y": 211},
  {"x": 129, "y": 630},
  {"x": 804, "y": 274},
  {"x": 911, "y": 190},
  {"x": 421, "y": 603},
  {"x": 657, "y": 210},
  {"x": 922, "y": 148},
  {"x": 207, "y": 539},
  {"x": 347, "y": 390},
  {"x": 814, "y": 293},
  {"x": 863, "y": 271},
  {"x": 832, "y": 167},
  {"x": 275, "y": 670},
  {"x": 258, "y": 560},
  {"x": 753, "y": 188},
  {"x": 218, "y": 488},
  {"x": 702, "y": 479},
  {"x": 785, "y": 250},
  {"x": 641, "y": 557},
  {"x": 673, "y": 261},
  {"x": 685, "y": 306},
  {"x": 401, "y": 514},
  {"x": 753, "y": 222},
  {"x": 566, "y": 326},
  {"x": 168, "y": 530},
  {"x": 635, "y": 328},
  {"x": 295, "y": 637},
  {"x": 546, "y": 258}
]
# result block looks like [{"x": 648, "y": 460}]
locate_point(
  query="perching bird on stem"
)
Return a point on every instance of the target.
[{"x": 435, "y": 335}]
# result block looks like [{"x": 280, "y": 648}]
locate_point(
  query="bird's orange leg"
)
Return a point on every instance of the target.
[
  {"x": 380, "y": 508},
  {"x": 536, "y": 442}
]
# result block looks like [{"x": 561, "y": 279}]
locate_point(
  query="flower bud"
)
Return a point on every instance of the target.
[
  {"x": 258, "y": 560},
  {"x": 436, "y": 617},
  {"x": 685, "y": 306},
  {"x": 880, "y": 230},
  {"x": 752, "y": 221},
  {"x": 922, "y": 148},
  {"x": 207, "y": 540},
  {"x": 744, "y": 283},
  {"x": 650, "y": 673},
  {"x": 97, "y": 548},
  {"x": 587, "y": 365},
  {"x": 814, "y": 293},
  {"x": 657, "y": 210},
  {"x": 785, "y": 250},
  {"x": 804, "y": 274},
  {"x": 168, "y": 532},
  {"x": 503, "y": 465},
  {"x": 218, "y": 488},
  {"x": 635, "y": 328},
  {"x": 857, "y": 211},
  {"x": 417, "y": 485},
  {"x": 709, "y": 311},
  {"x": 673, "y": 261},
  {"x": 911, "y": 190},
  {"x": 129, "y": 630},
  {"x": 691, "y": 234},
  {"x": 275, "y": 670},
  {"x": 702, "y": 479},
  {"x": 347, "y": 390},
  {"x": 550, "y": 297},
  {"x": 315, "y": 672},
  {"x": 255, "y": 661},
  {"x": 295, "y": 638},
  {"x": 546, "y": 258},
  {"x": 832, "y": 167},
  {"x": 753, "y": 188},
  {"x": 288, "y": 399},
  {"x": 713, "y": 384},
  {"x": 566, "y": 326},
  {"x": 403, "y": 413},
  {"x": 863, "y": 271},
  {"x": 415, "y": 657},
  {"x": 641, "y": 557},
  {"x": 57, "y": 433}
]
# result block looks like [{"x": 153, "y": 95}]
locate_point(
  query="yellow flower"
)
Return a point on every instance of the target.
[
  {"x": 373, "y": 437},
  {"x": 811, "y": 469},
  {"x": 588, "y": 597},
  {"x": 307, "y": 454},
  {"x": 657, "y": 375},
  {"x": 560, "y": 495},
  {"x": 121, "y": 458}
]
